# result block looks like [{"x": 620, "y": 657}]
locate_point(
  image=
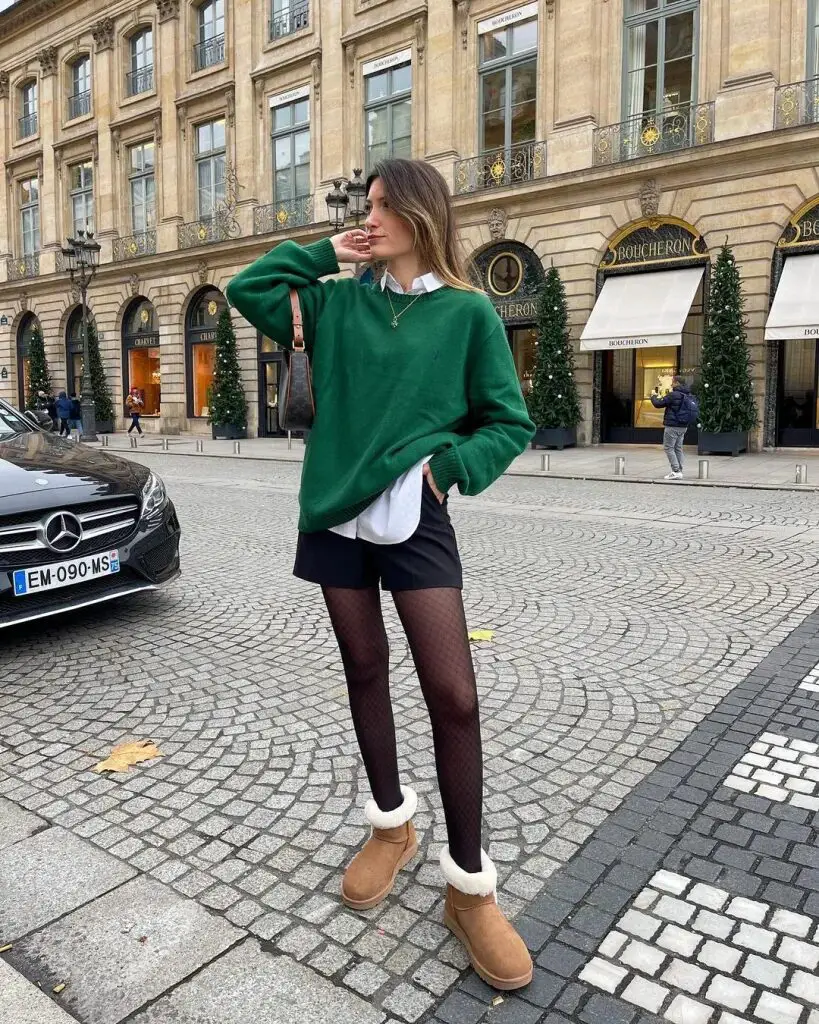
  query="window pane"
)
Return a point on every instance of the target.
[
  {"x": 148, "y": 155},
  {"x": 377, "y": 86},
  {"x": 814, "y": 71},
  {"x": 524, "y": 37},
  {"x": 655, "y": 368},
  {"x": 144, "y": 375},
  {"x": 218, "y": 134},
  {"x": 401, "y": 123},
  {"x": 303, "y": 179},
  {"x": 493, "y": 46},
  {"x": 402, "y": 78},
  {"x": 493, "y": 92},
  {"x": 640, "y": 6},
  {"x": 679, "y": 36},
  {"x": 642, "y": 63},
  {"x": 679, "y": 48},
  {"x": 204, "y": 175},
  {"x": 204, "y": 138},
  {"x": 282, "y": 117},
  {"x": 150, "y": 202},
  {"x": 203, "y": 358},
  {"x": 301, "y": 112},
  {"x": 377, "y": 126},
  {"x": 798, "y": 408},
  {"x": 402, "y": 148},
  {"x": 283, "y": 184}
]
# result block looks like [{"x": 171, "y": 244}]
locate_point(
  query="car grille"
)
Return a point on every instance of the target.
[{"x": 104, "y": 524}]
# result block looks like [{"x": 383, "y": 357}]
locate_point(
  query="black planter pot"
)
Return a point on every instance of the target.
[
  {"x": 729, "y": 442},
  {"x": 105, "y": 426},
  {"x": 227, "y": 432},
  {"x": 555, "y": 437}
]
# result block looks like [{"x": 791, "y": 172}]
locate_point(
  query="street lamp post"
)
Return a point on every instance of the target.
[
  {"x": 81, "y": 260},
  {"x": 347, "y": 193}
]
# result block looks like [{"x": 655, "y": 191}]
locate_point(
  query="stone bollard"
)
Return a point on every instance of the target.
[
  {"x": 289, "y": 440},
  {"x": 166, "y": 445},
  {"x": 704, "y": 469},
  {"x": 105, "y": 441},
  {"x": 544, "y": 463},
  {"x": 620, "y": 465},
  {"x": 200, "y": 446},
  {"x": 133, "y": 441},
  {"x": 237, "y": 448},
  {"x": 801, "y": 472}
]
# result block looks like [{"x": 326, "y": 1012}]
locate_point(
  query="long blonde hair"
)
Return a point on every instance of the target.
[{"x": 419, "y": 194}]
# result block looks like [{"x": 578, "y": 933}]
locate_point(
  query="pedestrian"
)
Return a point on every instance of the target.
[
  {"x": 133, "y": 404},
  {"x": 51, "y": 409},
  {"x": 416, "y": 391},
  {"x": 76, "y": 416},
  {"x": 63, "y": 407},
  {"x": 681, "y": 410}
]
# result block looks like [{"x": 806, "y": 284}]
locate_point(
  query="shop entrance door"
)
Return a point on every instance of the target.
[
  {"x": 522, "y": 342},
  {"x": 797, "y": 405},
  {"x": 269, "y": 374},
  {"x": 629, "y": 378}
]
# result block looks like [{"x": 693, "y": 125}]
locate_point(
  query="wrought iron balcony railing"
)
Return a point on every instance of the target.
[
  {"x": 79, "y": 105},
  {"x": 129, "y": 248},
  {"x": 219, "y": 228},
  {"x": 797, "y": 103},
  {"x": 27, "y": 125},
  {"x": 292, "y": 213},
  {"x": 654, "y": 133},
  {"x": 293, "y": 18},
  {"x": 141, "y": 80},
  {"x": 499, "y": 168},
  {"x": 208, "y": 53},
  {"x": 18, "y": 267}
]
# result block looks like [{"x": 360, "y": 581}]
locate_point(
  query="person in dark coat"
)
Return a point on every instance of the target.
[
  {"x": 75, "y": 421},
  {"x": 51, "y": 409},
  {"x": 63, "y": 406},
  {"x": 675, "y": 424}
]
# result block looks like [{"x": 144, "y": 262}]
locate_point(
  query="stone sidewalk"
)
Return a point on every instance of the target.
[{"x": 643, "y": 463}]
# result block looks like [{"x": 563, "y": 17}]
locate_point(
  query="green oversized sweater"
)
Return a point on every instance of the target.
[{"x": 443, "y": 382}]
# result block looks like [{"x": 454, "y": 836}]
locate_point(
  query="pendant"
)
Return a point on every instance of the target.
[{"x": 395, "y": 322}]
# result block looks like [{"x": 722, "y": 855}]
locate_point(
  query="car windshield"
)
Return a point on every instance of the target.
[{"x": 11, "y": 422}]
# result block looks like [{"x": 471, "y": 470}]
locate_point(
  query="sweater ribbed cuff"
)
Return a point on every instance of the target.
[
  {"x": 323, "y": 256},
  {"x": 447, "y": 469}
]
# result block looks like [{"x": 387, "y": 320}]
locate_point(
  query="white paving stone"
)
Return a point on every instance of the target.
[
  {"x": 674, "y": 910},
  {"x": 774, "y": 738},
  {"x": 751, "y": 937},
  {"x": 760, "y": 760},
  {"x": 636, "y": 923},
  {"x": 612, "y": 944},
  {"x": 668, "y": 881},
  {"x": 729, "y": 992},
  {"x": 784, "y": 754},
  {"x": 805, "y": 746},
  {"x": 793, "y": 924},
  {"x": 602, "y": 974},
  {"x": 800, "y": 786},
  {"x": 642, "y": 957},
  {"x": 807, "y": 803},
  {"x": 763, "y": 971},
  {"x": 714, "y": 924},
  {"x": 645, "y": 899},
  {"x": 773, "y": 793},
  {"x": 743, "y": 785},
  {"x": 645, "y": 993},
  {"x": 774, "y": 778},
  {"x": 748, "y": 910},
  {"x": 688, "y": 977},
  {"x": 708, "y": 896},
  {"x": 777, "y": 1010},
  {"x": 678, "y": 940},
  {"x": 731, "y": 1018},
  {"x": 804, "y": 986},
  {"x": 797, "y": 952},
  {"x": 721, "y": 957},
  {"x": 687, "y": 1011}
]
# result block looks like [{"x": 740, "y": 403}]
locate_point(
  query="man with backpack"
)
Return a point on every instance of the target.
[{"x": 681, "y": 410}]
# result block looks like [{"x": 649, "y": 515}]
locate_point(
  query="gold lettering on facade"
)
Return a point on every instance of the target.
[
  {"x": 646, "y": 251},
  {"x": 809, "y": 229},
  {"x": 516, "y": 310}
]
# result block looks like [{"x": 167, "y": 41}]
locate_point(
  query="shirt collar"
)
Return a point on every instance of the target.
[{"x": 425, "y": 283}]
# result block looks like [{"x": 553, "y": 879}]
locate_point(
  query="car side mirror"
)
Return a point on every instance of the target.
[{"x": 39, "y": 419}]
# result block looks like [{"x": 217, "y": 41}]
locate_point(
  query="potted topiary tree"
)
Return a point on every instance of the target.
[
  {"x": 726, "y": 395},
  {"x": 553, "y": 402},
  {"x": 103, "y": 406},
  {"x": 228, "y": 404}
]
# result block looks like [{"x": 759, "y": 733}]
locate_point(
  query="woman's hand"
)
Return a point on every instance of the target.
[
  {"x": 433, "y": 486},
  {"x": 351, "y": 246}
]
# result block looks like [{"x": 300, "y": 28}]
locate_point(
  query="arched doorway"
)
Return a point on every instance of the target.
[
  {"x": 200, "y": 349},
  {"x": 74, "y": 351},
  {"x": 141, "y": 355},
  {"x": 646, "y": 327},
  {"x": 28, "y": 325},
  {"x": 512, "y": 276}
]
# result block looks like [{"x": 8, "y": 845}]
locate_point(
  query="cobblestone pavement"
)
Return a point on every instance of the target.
[{"x": 623, "y": 616}]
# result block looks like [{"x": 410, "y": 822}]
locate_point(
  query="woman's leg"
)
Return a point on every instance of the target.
[
  {"x": 435, "y": 624},
  {"x": 359, "y": 627}
]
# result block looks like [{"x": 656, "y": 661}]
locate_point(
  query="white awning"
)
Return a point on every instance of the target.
[
  {"x": 795, "y": 309},
  {"x": 641, "y": 310}
]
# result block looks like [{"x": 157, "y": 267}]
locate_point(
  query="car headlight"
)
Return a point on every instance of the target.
[{"x": 154, "y": 496}]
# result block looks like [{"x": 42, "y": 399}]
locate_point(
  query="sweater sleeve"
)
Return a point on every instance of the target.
[
  {"x": 497, "y": 411},
  {"x": 261, "y": 292}
]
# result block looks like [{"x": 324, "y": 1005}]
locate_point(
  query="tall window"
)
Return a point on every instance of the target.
[
  {"x": 79, "y": 100},
  {"x": 508, "y": 86},
  {"x": 141, "y": 70},
  {"x": 210, "y": 168},
  {"x": 30, "y": 216},
  {"x": 81, "y": 184},
  {"x": 291, "y": 151},
  {"x": 143, "y": 188},
  {"x": 28, "y": 110},
  {"x": 210, "y": 47},
  {"x": 660, "y": 45},
  {"x": 288, "y": 16},
  {"x": 813, "y": 39},
  {"x": 388, "y": 114}
]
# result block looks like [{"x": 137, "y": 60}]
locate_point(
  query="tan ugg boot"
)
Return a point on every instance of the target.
[
  {"x": 498, "y": 953},
  {"x": 372, "y": 872}
]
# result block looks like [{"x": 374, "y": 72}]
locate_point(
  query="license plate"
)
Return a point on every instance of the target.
[{"x": 64, "y": 574}]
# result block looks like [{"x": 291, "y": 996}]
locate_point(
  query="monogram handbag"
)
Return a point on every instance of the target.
[{"x": 297, "y": 406}]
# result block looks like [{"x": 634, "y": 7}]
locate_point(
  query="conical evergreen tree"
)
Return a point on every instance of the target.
[
  {"x": 39, "y": 376},
  {"x": 726, "y": 393},
  {"x": 103, "y": 406},
  {"x": 553, "y": 401},
  {"x": 228, "y": 406}
]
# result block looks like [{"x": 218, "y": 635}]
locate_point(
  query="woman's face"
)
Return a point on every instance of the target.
[{"x": 389, "y": 235}]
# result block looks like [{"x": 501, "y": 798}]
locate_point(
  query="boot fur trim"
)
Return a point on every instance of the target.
[
  {"x": 392, "y": 819},
  {"x": 475, "y": 883}
]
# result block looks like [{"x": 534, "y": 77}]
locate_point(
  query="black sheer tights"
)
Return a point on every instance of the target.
[{"x": 435, "y": 626}]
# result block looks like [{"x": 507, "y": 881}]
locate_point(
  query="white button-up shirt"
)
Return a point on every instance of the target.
[{"x": 394, "y": 516}]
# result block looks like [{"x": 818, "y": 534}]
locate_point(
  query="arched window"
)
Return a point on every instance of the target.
[
  {"x": 141, "y": 355},
  {"x": 28, "y": 325},
  {"x": 200, "y": 348},
  {"x": 27, "y": 118},
  {"x": 210, "y": 35},
  {"x": 74, "y": 351},
  {"x": 141, "y": 62},
  {"x": 79, "y": 92}
]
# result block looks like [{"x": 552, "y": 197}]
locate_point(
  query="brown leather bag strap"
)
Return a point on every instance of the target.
[{"x": 298, "y": 323}]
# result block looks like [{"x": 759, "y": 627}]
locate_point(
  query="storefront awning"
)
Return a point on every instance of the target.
[
  {"x": 795, "y": 309},
  {"x": 641, "y": 310}
]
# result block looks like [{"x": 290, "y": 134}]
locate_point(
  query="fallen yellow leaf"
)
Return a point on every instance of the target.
[
  {"x": 497, "y": 1000},
  {"x": 477, "y": 635},
  {"x": 58, "y": 988},
  {"x": 6, "y": 948},
  {"x": 128, "y": 754}
]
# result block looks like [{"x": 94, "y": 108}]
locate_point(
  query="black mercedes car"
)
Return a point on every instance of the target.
[{"x": 77, "y": 526}]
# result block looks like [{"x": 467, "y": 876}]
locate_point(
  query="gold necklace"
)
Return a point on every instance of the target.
[{"x": 394, "y": 321}]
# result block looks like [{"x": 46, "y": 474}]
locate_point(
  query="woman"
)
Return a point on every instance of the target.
[
  {"x": 133, "y": 403},
  {"x": 416, "y": 391}
]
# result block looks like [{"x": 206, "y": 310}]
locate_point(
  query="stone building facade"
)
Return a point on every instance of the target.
[{"x": 612, "y": 137}]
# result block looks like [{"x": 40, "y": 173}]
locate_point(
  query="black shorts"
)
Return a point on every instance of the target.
[{"x": 429, "y": 559}]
